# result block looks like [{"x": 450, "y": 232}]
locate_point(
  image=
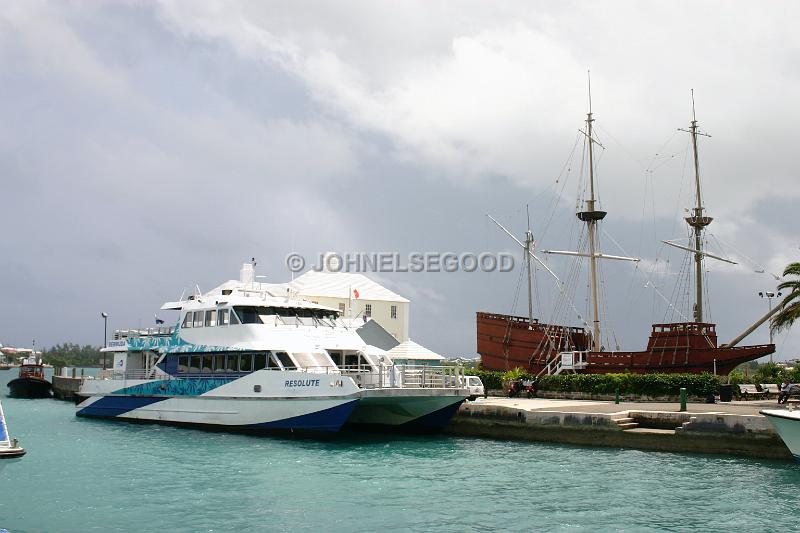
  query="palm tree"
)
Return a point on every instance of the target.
[{"x": 790, "y": 306}]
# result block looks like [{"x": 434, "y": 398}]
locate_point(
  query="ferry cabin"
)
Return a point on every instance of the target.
[{"x": 226, "y": 341}]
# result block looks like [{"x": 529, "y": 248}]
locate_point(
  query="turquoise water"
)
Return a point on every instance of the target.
[{"x": 88, "y": 475}]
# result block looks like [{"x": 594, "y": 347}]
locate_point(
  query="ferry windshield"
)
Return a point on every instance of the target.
[{"x": 255, "y": 315}]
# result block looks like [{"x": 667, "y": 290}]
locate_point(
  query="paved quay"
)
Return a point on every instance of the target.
[{"x": 734, "y": 428}]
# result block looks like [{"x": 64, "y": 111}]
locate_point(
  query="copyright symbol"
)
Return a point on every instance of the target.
[{"x": 295, "y": 262}]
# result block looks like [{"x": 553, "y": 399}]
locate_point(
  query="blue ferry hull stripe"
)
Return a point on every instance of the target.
[
  {"x": 330, "y": 419},
  {"x": 435, "y": 420},
  {"x": 117, "y": 405}
]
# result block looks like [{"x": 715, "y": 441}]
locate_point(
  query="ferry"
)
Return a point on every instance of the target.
[
  {"x": 248, "y": 357},
  {"x": 787, "y": 424}
]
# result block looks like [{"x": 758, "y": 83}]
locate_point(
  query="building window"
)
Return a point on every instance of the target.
[
  {"x": 368, "y": 310},
  {"x": 393, "y": 311},
  {"x": 341, "y": 308}
]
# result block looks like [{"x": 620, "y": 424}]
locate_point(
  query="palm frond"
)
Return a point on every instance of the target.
[
  {"x": 790, "y": 305},
  {"x": 792, "y": 269}
]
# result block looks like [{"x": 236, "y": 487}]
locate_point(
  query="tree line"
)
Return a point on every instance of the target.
[{"x": 69, "y": 354}]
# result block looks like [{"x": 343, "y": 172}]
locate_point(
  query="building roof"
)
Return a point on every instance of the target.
[
  {"x": 412, "y": 350},
  {"x": 342, "y": 285}
]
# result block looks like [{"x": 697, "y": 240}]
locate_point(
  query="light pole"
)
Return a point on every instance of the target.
[
  {"x": 105, "y": 336},
  {"x": 769, "y": 295}
]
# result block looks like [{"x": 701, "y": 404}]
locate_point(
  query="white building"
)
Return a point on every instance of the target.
[{"x": 357, "y": 296}]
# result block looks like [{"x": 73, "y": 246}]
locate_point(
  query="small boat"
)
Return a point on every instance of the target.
[
  {"x": 787, "y": 424},
  {"x": 31, "y": 383},
  {"x": 8, "y": 446}
]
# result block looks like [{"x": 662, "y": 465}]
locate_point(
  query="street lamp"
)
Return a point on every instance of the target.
[
  {"x": 769, "y": 295},
  {"x": 105, "y": 336}
]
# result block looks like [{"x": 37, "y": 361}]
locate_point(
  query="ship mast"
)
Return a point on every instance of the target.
[
  {"x": 697, "y": 221},
  {"x": 591, "y": 216},
  {"x": 528, "y": 253}
]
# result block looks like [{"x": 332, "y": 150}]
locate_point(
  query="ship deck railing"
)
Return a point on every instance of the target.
[
  {"x": 160, "y": 331},
  {"x": 389, "y": 376}
]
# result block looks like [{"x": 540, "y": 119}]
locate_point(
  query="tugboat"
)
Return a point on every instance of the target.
[
  {"x": 9, "y": 449},
  {"x": 31, "y": 382}
]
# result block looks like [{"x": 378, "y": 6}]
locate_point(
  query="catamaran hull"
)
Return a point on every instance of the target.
[
  {"x": 234, "y": 414},
  {"x": 258, "y": 402},
  {"x": 406, "y": 409},
  {"x": 505, "y": 342},
  {"x": 787, "y": 424},
  {"x": 29, "y": 388}
]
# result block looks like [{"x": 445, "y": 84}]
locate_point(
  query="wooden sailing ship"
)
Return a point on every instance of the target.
[{"x": 505, "y": 342}]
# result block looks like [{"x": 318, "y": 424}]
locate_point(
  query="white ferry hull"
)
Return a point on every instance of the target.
[
  {"x": 787, "y": 424},
  {"x": 260, "y": 401},
  {"x": 295, "y": 414},
  {"x": 411, "y": 409}
]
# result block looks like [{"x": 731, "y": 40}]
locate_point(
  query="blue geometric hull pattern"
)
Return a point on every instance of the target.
[
  {"x": 331, "y": 419},
  {"x": 110, "y": 406},
  {"x": 328, "y": 420}
]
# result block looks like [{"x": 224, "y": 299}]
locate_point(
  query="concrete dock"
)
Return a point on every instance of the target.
[{"x": 733, "y": 428}]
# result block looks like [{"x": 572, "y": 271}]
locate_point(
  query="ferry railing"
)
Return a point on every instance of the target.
[{"x": 386, "y": 376}]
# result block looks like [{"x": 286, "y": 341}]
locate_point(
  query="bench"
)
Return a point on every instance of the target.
[
  {"x": 771, "y": 389},
  {"x": 751, "y": 391}
]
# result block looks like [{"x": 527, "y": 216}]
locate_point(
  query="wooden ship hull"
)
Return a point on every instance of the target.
[{"x": 505, "y": 342}]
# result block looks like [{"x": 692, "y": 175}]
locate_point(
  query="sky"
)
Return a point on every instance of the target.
[{"x": 148, "y": 147}]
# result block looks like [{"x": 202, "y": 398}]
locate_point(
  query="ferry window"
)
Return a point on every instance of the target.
[
  {"x": 368, "y": 310},
  {"x": 285, "y": 360},
  {"x": 363, "y": 363},
  {"x": 222, "y": 320},
  {"x": 260, "y": 361},
  {"x": 393, "y": 312},
  {"x": 246, "y": 363},
  {"x": 187, "y": 320},
  {"x": 248, "y": 315},
  {"x": 341, "y": 308},
  {"x": 183, "y": 363},
  {"x": 207, "y": 362},
  {"x": 351, "y": 360},
  {"x": 232, "y": 363},
  {"x": 337, "y": 358},
  {"x": 194, "y": 366},
  {"x": 234, "y": 318},
  {"x": 211, "y": 318},
  {"x": 305, "y": 360},
  {"x": 198, "y": 319},
  {"x": 272, "y": 362},
  {"x": 219, "y": 363}
]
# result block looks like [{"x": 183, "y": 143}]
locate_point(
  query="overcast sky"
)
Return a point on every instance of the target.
[{"x": 149, "y": 146}]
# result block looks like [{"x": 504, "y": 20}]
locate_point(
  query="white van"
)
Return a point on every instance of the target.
[{"x": 475, "y": 386}]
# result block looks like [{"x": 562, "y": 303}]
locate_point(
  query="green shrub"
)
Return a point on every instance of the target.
[{"x": 636, "y": 384}]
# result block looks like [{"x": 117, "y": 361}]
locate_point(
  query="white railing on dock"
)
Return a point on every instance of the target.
[{"x": 387, "y": 376}]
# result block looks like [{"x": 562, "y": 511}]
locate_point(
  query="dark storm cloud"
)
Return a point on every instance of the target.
[{"x": 147, "y": 147}]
